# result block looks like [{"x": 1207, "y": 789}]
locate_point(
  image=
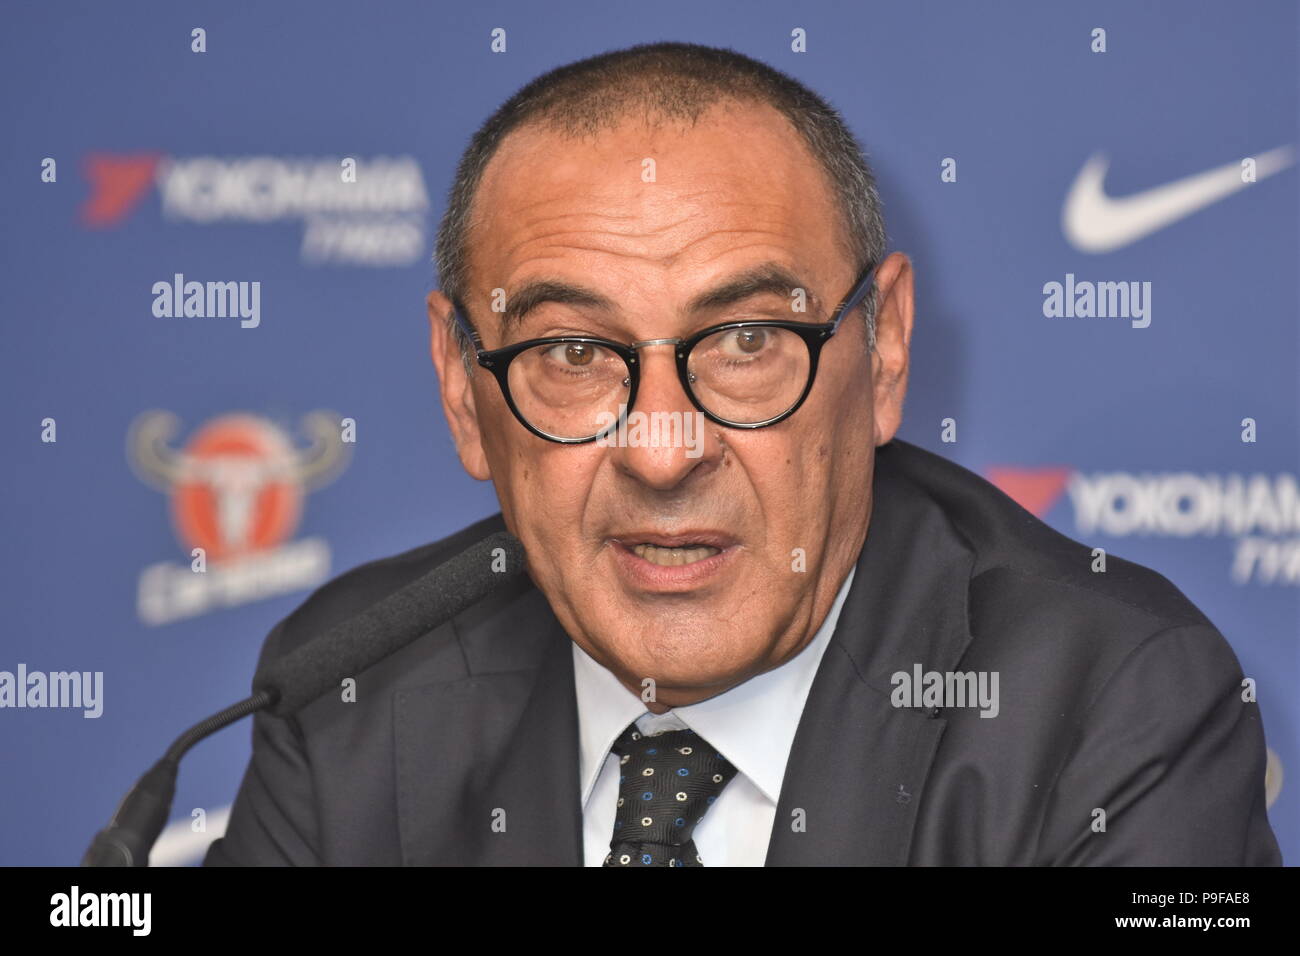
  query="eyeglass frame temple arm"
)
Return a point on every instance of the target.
[
  {"x": 469, "y": 330},
  {"x": 860, "y": 291}
]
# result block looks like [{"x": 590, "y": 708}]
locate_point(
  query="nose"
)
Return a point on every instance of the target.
[{"x": 666, "y": 440}]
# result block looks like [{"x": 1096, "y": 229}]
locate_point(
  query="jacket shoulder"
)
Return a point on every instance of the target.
[{"x": 1017, "y": 552}]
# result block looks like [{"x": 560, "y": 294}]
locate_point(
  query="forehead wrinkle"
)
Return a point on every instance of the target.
[
  {"x": 559, "y": 228},
  {"x": 774, "y": 199},
  {"x": 775, "y": 237},
  {"x": 771, "y": 278},
  {"x": 576, "y": 230}
]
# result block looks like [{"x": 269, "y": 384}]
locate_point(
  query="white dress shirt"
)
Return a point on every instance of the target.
[{"x": 752, "y": 725}]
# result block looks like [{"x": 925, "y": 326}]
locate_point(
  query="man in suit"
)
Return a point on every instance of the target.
[{"x": 759, "y": 629}]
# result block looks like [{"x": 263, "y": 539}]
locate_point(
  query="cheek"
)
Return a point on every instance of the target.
[
  {"x": 547, "y": 487},
  {"x": 784, "y": 477},
  {"x": 803, "y": 482}
]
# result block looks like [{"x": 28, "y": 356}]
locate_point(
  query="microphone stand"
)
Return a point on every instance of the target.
[{"x": 143, "y": 813}]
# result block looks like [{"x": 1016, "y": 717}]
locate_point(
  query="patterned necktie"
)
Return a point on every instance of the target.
[{"x": 667, "y": 783}]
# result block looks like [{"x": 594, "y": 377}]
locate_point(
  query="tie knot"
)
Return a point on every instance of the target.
[
  {"x": 667, "y": 782},
  {"x": 632, "y": 741}
]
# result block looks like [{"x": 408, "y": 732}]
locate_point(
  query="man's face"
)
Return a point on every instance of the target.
[{"x": 780, "y": 512}]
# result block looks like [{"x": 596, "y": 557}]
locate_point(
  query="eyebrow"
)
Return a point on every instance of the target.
[{"x": 769, "y": 278}]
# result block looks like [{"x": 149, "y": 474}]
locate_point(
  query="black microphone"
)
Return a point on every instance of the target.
[{"x": 285, "y": 685}]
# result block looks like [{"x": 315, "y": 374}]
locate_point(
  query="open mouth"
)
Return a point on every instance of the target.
[
  {"x": 674, "y": 557},
  {"x": 655, "y": 562},
  {"x": 682, "y": 550}
]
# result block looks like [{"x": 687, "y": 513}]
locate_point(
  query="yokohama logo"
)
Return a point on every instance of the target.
[
  {"x": 1185, "y": 504},
  {"x": 369, "y": 212}
]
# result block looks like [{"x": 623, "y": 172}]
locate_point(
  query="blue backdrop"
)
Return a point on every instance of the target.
[{"x": 224, "y": 165}]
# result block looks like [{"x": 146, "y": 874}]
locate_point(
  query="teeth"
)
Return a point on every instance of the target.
[{"x": 671, "y": 557}]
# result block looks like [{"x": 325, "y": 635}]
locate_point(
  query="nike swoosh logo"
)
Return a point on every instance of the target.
[{"x": 1095, "y": 222}]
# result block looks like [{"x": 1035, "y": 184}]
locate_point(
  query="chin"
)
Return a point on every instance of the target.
[{"x": 693, "y": 657}]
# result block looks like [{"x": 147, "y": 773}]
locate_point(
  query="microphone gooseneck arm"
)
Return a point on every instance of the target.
[{"x": 143, "y": 812}]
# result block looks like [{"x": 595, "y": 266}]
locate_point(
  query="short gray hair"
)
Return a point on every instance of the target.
[{"x": 673, "y": 81}]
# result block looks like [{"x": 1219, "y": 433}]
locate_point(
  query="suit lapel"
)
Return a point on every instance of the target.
[
  {"x": 535, "y": 782},
  {"x": 487, "y": 766},
  {"x": 858, "y": 766}
]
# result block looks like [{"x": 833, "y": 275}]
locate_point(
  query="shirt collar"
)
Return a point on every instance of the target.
[{"x": 752, "y": 724}]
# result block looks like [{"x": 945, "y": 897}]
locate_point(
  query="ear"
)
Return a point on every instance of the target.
[
  {"x": 457, "y": 388},
  {"x": 889, "y": 362}
]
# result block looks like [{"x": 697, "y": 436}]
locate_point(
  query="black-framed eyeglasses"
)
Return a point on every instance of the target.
[{"x": 573, "y": 389}]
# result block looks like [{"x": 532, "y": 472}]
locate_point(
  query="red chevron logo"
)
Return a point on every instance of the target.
[
  {"x": 1034, "y": 489},
  {"x": 117, "y": 184}
]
